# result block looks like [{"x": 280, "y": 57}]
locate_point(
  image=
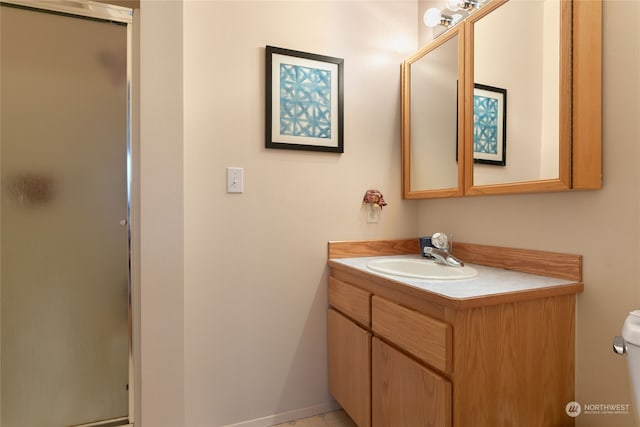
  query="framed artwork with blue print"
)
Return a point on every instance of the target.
[
  {"x": 304, "y": 101},
  {"x": 489, "y": 125}
]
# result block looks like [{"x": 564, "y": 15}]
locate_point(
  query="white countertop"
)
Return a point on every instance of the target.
[{"x": 489, "y": 281}]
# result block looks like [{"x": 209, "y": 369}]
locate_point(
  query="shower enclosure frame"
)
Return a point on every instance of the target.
[{"x": 114, "y": 13}]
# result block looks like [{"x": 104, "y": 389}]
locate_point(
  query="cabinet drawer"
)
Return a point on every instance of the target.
[
  {"x": 350, "y": 300},
  {"x": 426, "y": 338}
]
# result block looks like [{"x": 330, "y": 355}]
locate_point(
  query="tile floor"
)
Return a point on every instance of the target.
[{"x": 330, "y": 419}]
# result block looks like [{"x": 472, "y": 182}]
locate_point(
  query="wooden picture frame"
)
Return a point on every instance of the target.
[{"x": 304, "y": 101}]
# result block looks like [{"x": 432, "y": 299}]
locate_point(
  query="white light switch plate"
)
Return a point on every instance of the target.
[
  {"x": 373, "y": 213},
  {"x": 235, "y": 180}
]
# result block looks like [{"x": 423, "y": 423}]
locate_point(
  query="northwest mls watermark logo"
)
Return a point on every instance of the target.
[{"x": 574, "y": 409}]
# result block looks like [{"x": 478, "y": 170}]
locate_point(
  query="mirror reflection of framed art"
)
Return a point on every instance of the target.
[{"x": 489, "y": 125}]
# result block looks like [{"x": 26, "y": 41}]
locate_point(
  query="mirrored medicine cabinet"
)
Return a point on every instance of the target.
[{"x": 507, "y": 101}]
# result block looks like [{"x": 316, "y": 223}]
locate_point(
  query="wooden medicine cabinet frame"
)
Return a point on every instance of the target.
[
  {"x": 580, "y": 133},
  {"x": 458, "y": 32}
]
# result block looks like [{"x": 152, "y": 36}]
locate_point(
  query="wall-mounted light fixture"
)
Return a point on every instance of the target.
[
  {"x": 434, "y": 17},
  {"x": 456, "y": 11},
  {"x": 468, "y": 5}
]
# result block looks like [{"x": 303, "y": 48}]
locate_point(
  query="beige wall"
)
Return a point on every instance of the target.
[
  {"x": 240, "y": 334},
  {"x": 255, "y": 276},
  {"x": 159, "y": 238},
  {"x": 603, "y": 226}
]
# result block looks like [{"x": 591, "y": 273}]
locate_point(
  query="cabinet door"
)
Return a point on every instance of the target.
[
  {"x": 405, "y": 393},
  {"x": 349, "y": 360}
]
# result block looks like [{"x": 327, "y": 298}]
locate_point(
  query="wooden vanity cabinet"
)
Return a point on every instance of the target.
[
  {"x": 349, "y": 350},
  {"x": 419, "y": 363},
  {"x": 376, "y": 384}
]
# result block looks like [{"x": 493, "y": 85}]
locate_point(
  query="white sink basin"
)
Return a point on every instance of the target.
[{"x": 421, "y": 268}]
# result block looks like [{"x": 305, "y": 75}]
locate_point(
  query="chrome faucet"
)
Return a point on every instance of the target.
[
  {"x": 443, "y": 256},
  {"x": 440, "y": 251}
]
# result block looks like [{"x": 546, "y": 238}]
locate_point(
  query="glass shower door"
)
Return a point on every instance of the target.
[{"x": 64, "y": 260}]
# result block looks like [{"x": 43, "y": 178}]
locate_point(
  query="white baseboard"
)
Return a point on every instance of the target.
[{"x": 284, "y": 417}]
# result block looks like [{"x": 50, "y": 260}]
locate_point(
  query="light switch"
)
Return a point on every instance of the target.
[
  {"x": 235, "y": 180},
  {"x": 373, "y": 213}
]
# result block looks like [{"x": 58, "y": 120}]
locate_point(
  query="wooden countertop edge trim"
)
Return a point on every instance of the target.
[
  {"x": 360, "y": 248},
  {"x": 551, "y": 264},
  {"x": 414, "y": 297}
]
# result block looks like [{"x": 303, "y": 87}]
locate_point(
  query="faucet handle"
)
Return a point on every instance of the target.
[{"x": 440, "y": 241}]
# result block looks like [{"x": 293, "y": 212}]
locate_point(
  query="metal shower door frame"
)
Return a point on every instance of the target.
[{"x": 112, "y": 13}]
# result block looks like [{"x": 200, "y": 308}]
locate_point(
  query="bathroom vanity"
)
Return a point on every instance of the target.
[{"x": 494, "y": 350}]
